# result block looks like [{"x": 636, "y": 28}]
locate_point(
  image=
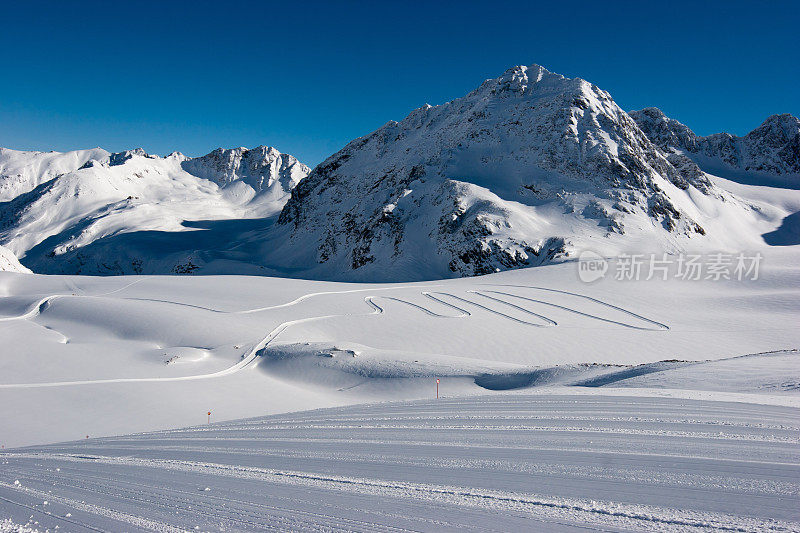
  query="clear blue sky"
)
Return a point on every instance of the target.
[{"x": 307, "y": 77}]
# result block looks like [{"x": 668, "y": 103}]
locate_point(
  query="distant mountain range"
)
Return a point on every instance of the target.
[
  {"x": 94, "y": 212},
  {"x": 527, "y": 169},
  {"x": 772, "y": 149}
]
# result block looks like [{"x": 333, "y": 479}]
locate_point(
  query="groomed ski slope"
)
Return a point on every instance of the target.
[{"x": 509, "y": 462}]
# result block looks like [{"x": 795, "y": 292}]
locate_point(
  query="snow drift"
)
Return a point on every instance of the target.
[{"x": 9, "y": 262}]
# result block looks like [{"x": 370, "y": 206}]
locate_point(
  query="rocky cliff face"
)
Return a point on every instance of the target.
[
  {"x": 772, "y": 148},
  {"x": 504, "y": 177}
]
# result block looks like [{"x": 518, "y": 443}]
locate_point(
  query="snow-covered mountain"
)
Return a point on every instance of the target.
[
  {"x": 773, "y": 148},
  {"x": 264, "y": 169},
  {"x": 21, "y": 172},
  {"x": 95, "y": 212},
  {"x": 528, "y": 168}
]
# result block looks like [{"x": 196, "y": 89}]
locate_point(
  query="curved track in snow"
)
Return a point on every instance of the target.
[
  {"x": 247, "y": 359},
  {"x": 461, "y": 312},
  {"x": 250, "y": 356},
  {"x": 658, "y": 325},
  {"x": 547, "y": 321},
  {"x": 432, "y": 295},
  {"x": 488, "y": 309},
  {"x": 42, "y": 303},
  {"x": 290, "y": 303}
]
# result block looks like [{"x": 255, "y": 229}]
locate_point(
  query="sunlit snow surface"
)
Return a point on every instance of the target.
[
  {"x": 612, "y": 405},
  {"x": 501, "y": 463}
]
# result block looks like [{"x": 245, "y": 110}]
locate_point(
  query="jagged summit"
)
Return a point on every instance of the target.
[
  {"x": 773, "y": 148},
  {"x": 782, "y": 126},
  {"x": 259, "y": 167},
  {"x": 485, "y": 182},
  {"x": 520, "y": 77},
  {"x": 663, "y": 130},
  {"x": 119, "y": 158},
  {"x": 177, "y": 155}
]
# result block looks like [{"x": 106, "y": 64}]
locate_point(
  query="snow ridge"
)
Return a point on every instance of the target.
[{"x": 530, "y": 168}]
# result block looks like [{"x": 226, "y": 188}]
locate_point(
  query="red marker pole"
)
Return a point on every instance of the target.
[
  {"x": 437, "y": 388},
  {"x": 209, "y": 417}
]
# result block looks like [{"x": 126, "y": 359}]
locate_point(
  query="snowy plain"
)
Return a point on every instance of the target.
[
  {"x": 616, "y": 405},
  {"x": 613, "y": 405},
  {"x": 102, "y": 356}
]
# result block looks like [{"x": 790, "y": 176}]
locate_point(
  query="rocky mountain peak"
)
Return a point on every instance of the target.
[
  {"x": 520, "y": 77},
  {"x": 178, "y": 156},
  {"x": 472, "y": 176},
  {"x": 120, "y": 158},
  {"x": 773, "y": 148},
  {"x": 662, "y": 130},
  {"x": 776, "y": 130},
  {"x": 260, "y": 167}
]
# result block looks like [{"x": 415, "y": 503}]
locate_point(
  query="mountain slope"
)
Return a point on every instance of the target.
[
  {"x": 773, "y": 148},
  {"x": 528, "y": 168},
  {"x": 9, "y": 262},
  {"x": 94, "y": 212},
  {"x": 21, "y": 172}
]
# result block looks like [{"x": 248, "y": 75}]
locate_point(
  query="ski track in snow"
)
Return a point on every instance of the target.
[
  {"x": 251, "y": 355},
  {"x": 548, "y": 321},
  {"x": 461, "y": 312},
  {"x": 659, "y": 325},
  {"x": 520, "y": 468},
  {"x": 487, "y": 309},
  {"x": 247, "y": 359},
  {"x": 42, "y": 304}
]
